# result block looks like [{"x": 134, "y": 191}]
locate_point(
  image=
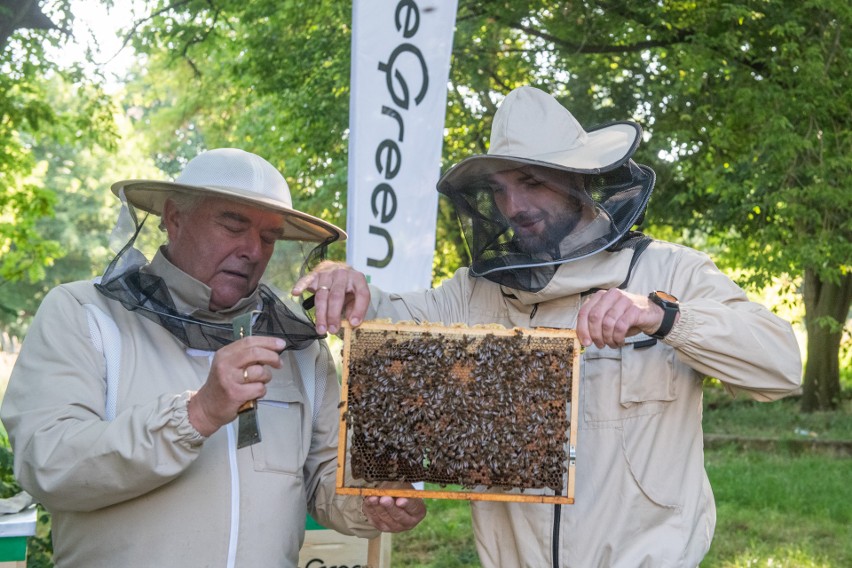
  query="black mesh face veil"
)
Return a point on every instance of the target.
[
  {"x": 611, "y": 203},
  {"x": 125, "y": 281}
]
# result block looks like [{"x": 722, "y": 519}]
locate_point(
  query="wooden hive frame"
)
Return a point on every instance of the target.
[{"x": 411, "y": 421}]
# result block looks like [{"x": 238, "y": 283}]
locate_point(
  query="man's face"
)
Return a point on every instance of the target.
[
  {"x": 540, "y": 215},
  {"x": 224, "y": 244}
]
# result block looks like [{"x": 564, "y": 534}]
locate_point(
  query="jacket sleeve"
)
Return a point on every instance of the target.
[
  {"x": 339, "y": 512},
  {"x": 67, "y": 455},
  {"x": 723, "y": 335},
  {"x": 447, "y": 304}
]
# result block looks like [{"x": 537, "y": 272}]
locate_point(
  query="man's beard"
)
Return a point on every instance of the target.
[{"x": 547, "y": 241}]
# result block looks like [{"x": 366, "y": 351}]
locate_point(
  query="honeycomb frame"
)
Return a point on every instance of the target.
[{"x": 377, "y": 354}]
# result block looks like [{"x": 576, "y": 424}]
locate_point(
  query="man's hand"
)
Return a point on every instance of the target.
[
  {"x": 338, "y": 290},
  {"x": 393, "y": 514},
  {"x": 239, "y": 373},
  {"x": 607, "y": 317}
]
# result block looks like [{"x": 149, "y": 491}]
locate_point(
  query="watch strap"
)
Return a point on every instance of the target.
[{"x": 670, "y": 311}]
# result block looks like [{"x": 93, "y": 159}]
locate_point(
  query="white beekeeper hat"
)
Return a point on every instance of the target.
[{"x": 233, "y": 174}]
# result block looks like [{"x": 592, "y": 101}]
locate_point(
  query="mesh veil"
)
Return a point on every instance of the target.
[
  {"x": 125, "y": 281},
  {"x": 619, "y": 198}
]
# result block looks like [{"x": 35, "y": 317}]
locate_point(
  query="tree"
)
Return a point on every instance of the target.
[
  {"x": 267, "y": 76},
  {"x": 47, "y": 114},
  {"x": 744, "y": 106},
  {"x": 747, "y": 104},
  {"x": 22, "y": 109}
]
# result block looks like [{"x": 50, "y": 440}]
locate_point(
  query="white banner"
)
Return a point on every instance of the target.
[{"x": 400, "y": 69}]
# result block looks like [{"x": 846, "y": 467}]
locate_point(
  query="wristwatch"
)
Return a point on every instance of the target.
[{"x": 670, "y": 308}]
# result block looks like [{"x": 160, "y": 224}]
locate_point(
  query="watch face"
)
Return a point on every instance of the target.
[{"x": 665, "y": 296}]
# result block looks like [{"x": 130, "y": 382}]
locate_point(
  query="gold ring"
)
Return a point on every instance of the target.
[
  {"x": 245, "y": 375},
  {"x": 322, "y": 288}
]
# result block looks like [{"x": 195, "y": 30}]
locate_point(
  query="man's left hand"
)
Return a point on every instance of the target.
[
  {"x": 393, "y": 514},
  {"x": 339, "y": 290},
  {"x": 608, "y": 317}
]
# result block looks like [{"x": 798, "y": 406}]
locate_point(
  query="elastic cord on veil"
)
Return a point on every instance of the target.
[{"x": 149, "y": 295}]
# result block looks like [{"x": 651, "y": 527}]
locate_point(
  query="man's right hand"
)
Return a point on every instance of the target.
[
  {"x": 239, "y": 373},
  {"x": 339, "y": 290}
]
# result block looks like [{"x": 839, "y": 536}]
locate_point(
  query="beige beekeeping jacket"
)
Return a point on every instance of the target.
[
  {"x": 144, "y": 488},
  {"x": 642, "y": 498}
]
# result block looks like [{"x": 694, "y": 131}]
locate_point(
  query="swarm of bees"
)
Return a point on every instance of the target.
[{"x": 484, "y": 409}]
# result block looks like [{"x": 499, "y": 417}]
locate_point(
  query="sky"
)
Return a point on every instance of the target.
[{"x": 98, "y": 27}]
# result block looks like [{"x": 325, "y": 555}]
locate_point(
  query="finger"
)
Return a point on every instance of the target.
[
  {"x": 378, "y": 515},
  {"x": 336, "y": 304},
  {"x": 588, "y": 320},
  {"x": 304, "y": 283},
  {"x": 361, "y": 302},
  {"x": 256, "y": 374},
  {"x": 257, "y": 349},
  {"x": 396, "y": 514},
  {"x": 310, "y": 281},
  {"x": 321, "y": 309},
  {"x": 583, "y": 324},
  {"x": 624, "y": 318},
  {"x": 611, "y": 320},
  {"x": 600, "y": 304},
  {"x": 415, "y": 509},
  {"x": 343, "y": 286}
]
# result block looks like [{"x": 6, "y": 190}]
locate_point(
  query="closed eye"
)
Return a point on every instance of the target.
[
  {"x": 531, "y": 181},
  {"x": 270, "y": 239}
]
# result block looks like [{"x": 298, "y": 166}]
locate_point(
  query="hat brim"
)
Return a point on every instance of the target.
[
  {"x": 604, "y": 148},
  {"x": 150, "y": 196}
]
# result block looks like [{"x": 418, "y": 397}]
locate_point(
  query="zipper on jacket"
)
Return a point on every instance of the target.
[
  {"x": 557, "y": 517},
  {"x": 233, "y": 466},
  {"x": 234, "y": 530},
  {"x": 557, "y": 509}
]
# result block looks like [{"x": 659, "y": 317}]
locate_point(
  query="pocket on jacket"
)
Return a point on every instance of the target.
[
  {"x": 280, "y": 417},
  {"x": 626, "y": 382}
]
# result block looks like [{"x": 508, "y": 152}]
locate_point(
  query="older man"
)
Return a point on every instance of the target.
[
  {"x": 547, "y": 215},
  {"x": 121, "y": 408}
]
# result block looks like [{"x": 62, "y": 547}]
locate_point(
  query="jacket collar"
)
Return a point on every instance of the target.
[
  {"x": 191, "y": 296},
  {"x": 602, "y": 270}
]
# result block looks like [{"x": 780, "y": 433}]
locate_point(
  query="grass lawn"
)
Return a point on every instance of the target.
[{"x": 782, "y": 508}]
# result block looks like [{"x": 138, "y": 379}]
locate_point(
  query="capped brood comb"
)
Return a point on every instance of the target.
[{"x": 482, "y": 413}]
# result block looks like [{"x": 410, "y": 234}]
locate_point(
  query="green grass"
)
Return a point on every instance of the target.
[
  {"x": 443, "y": 539},
  {"x": 775, "y": 509},
  {"x": 779, "y": 419},
  {"x": 780, "y": 509}
]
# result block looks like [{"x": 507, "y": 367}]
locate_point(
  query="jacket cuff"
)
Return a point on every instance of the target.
[
  {"x": 682, "y": 328},
  {"x": 187, "y": 434}
]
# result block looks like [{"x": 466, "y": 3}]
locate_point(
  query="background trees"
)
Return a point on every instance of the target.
[
  {"x": 744, "y": 105},
  {"x": 51, "y": 119}
]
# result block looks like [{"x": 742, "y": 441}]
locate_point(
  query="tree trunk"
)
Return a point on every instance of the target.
[
  {"x": 17, "y": 14},
  {"x": 824, "y": 302}
]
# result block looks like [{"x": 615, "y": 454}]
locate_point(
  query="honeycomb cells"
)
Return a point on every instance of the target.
[{"x": 459, "y": 409}]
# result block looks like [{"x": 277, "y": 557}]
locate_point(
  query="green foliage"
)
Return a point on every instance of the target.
[
  {"x": 39, "y": 547},
  {"x": 8, "y": 484},
  {"x": 78, "y": 211},
  {"x": 747, "y": 102},
  {"x": 269, "y": 77},
  {"x": 744, "y": 106},
  {"x": 42, "y": 108}
]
